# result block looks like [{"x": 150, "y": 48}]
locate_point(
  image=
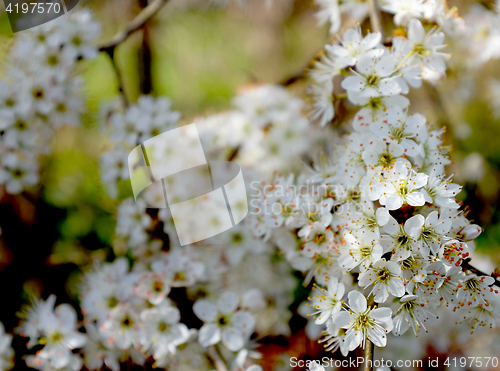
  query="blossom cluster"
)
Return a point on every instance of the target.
[
  {"x": 381, "y": 206},
  {"x": 41, "y": 94}
]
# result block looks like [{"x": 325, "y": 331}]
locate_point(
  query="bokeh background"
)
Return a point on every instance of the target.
[{"x": 199, "y": 55}]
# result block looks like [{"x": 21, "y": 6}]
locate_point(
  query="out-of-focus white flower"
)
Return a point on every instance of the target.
[
  {"x": 329, "y": 12},
  {"x": 355, "y": 46},
  {"x": 403, "y": 10},
  {"x": 162, "y": 330},
  {"x": 322, "y": 106},
  {"x": 6, "y": 351},
  {"x": 223, "y": 321}
]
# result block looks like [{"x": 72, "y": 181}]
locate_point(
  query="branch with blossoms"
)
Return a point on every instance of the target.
[{"x": 385, "y": 210}]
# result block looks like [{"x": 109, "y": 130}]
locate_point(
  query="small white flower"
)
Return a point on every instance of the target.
[
  {"x": 404, "y": 10},
  {"x": 328, "y": 302},
  {"x": 412, "y": 313},
  {"x": 373, "y": 78},
  {"x": 386, "y": 278},
  {"x": 441, "y": 191},
  {"x": 322, "y": 107},
  {"x": 355, "y": 46},
  {"x": 402, "y": 186},
  {"x": 361, "y": 249},
  {"x": 224, "y": 322},
  {"x": 363, "y": 322},
  {"x": 162, "y": 330}
]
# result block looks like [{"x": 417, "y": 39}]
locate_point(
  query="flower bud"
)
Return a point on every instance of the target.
[{"x": 471, "y": 232}]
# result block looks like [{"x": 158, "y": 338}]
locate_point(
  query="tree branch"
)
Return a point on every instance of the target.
[
  {"x": 375, "y": 17},
  {"x": 466, "y": 265},
  {"x": 119, "y": 78},
  {"x": 138, "y": 22}
]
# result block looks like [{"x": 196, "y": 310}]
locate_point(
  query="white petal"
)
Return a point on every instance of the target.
[
  {"x": 357, "y": 301},
  {"x": 228, "y": 302},
  {"x": 205, "y": 310},
  {"x": 209, "y": 335},
  {"x": 232, "y": 339}
]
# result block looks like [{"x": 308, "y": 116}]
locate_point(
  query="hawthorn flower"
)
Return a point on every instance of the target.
[
  {"x": 381, "y": 153},
  {"x": 223, "y": 321},
  {"x": 413, "y": 268},
  {"x": 79, "y": 34},
  {"x": 375, "y": 109},
  {"x": 453, "y": 252},
  {"x": 316, "y": 239},
  {"x": 372, "y": 78},
  {"x": 18, "y": 171},
  {"x": 426, "y": 46},
  {"x": 404, "y": 10},
  {"x": 329, "y": 13},
  {"x": 132, "y": 221},
  {"x": 480, "y": 316},
  {"x": 323, "y": 72},
  {"x": 363, "y": 322},
  {"x": 97, "y": 353},
  {"x": 386, "y": 278},
  {"x": 402, "y": 186},
  {"x": 412, "y": 313},
  {"x": 179, "y": 267},
  {"x": 474, "y": 290},
  {"x": 354, "y": 46},
  {"x": 162, "y": 330},
  {"x": 153, "y": 287},
  {"x": 434, "y": 229},
  {"x": 441, "y": 191},
  {"x": 322, "y": 107},
  {"x": 334, "y": 338},
  {"x": 398, "y": 128},
  {"x": 361, "y": 249},
  {"x": 123, "y": 327},
  {"x": 369, "y": 219},
  {"x": 55, "y": 329},
  {"x": 403, "y": 240},
  {"x": 328, "y": 302}
]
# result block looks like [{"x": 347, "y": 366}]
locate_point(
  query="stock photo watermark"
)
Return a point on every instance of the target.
[
  {"x": 205, "y": 198},
  {"x": 387, "y": 364},
  {"x": 24, "y": 15}
]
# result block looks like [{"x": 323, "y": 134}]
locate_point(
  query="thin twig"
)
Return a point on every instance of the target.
[
  {"x": 138, "y": 22},
  {"x": 375, "y": 17},
  {"x": 219, "y": 363},
  {"x": 369, "y": 348},
  {"x": 466, "y": 265},
  {"x": 368, "y": 365},
  {"x": 119, "y": 78}
]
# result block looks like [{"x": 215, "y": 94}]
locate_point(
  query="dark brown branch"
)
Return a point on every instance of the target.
[
  {"x": 137, "y": 23},
  {"x": 466, "y": 265},
  {"x": 119, "y": 79}
]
